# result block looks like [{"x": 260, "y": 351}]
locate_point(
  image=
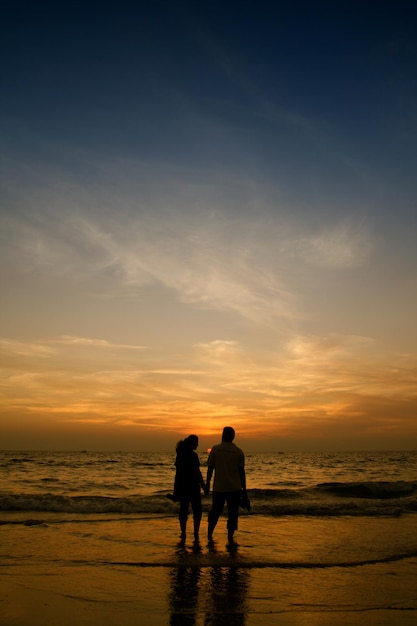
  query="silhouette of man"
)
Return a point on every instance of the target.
[{"x": 227, "y": 461}]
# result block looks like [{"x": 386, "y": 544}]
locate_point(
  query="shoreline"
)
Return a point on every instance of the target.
[
  {"x": 287, "y": 571},
  {"x": 221, "y": 595}
]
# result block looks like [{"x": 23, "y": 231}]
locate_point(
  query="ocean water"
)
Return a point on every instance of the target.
[
  {"x": 315, "y": 484},
  {"x": 331, "y": 539}
]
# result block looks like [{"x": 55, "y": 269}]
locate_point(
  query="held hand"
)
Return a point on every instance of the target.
[{"x": 244, "y": 501}]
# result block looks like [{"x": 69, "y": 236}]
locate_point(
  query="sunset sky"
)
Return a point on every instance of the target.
[{"x": 208, "y": 217}]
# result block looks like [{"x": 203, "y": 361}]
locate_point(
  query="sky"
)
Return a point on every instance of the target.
[{"x": 208, "y": 217}]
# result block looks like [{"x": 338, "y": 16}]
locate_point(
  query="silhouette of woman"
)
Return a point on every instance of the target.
[{"x": 188, "y": 483}]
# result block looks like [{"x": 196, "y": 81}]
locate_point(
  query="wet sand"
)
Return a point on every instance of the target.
[
  {"x": 291, "y": 572},
  {"x": 219, "y": 596}
]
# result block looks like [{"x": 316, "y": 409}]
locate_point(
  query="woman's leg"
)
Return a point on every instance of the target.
[
  {"x": 183, "y": 516},
  {"x": 197, "y": 513}
]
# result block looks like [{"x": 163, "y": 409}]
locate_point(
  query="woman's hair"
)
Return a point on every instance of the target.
[{"x": 189, "y": 443}]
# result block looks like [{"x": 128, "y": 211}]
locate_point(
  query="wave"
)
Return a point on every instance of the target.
[
  {"x": 374, "y": 490},
  {"x": 197, "y": 559},
  {"x": 324, "y": 499},
  {"x": 381, "y": 489},
  {"x": 82, "y": 504},
  {"x": 223, "y": 560}
]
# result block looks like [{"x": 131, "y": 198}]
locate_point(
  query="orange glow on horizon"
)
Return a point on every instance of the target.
[{"x": 335, "y": 395}]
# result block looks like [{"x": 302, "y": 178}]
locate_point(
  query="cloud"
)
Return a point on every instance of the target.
[
  {"x": 209, "y": 260},
  {"x": 210, "y": 257},
  {"x": 231, "y": 63},
  {"x": 339, "y": 247},
  {"x": 84, "y": 342},
  {"x": 313, "y": 347},
  {"x": 24, "y": 349},
  {"x": 49, "y": 346},
  {"x": 310, "y": 386}
]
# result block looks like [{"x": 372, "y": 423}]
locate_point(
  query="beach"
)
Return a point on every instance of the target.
[
  {"x": 129, "y": 571},
  {"x": 312, "y": 553}
]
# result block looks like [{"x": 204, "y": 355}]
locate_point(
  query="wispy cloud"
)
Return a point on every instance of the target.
[
  {"x": 84, "y": 342},
  {"x": 342, "y": 246},
  {"x": 321, "y": 378},
  {"x": 25, "y": 349},
  {"x": 211, "y": 256}
]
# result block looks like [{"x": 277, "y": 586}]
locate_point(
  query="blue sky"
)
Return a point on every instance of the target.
[{"x": 208, "y": 214}]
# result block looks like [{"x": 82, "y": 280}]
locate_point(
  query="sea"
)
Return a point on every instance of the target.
[
  {"x": 284, "y": 484},
  {"x": 329, "y": 533}
]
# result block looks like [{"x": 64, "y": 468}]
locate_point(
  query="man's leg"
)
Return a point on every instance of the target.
[
  {"x": 232, "y": 513},
  {"x": 215, "y": 512}
]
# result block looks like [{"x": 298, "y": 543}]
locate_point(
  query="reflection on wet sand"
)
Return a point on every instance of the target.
[
  {"x": 184, "y": 595},
  {"x": 226, "y": 603},
  {"x": 199, "y": 585}
]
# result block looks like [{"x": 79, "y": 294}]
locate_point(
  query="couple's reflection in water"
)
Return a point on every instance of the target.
[{"x": 208, "y": 583}]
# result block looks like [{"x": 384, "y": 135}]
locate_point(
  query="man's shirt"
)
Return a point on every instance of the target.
[{"x": 226, "y": 459}]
